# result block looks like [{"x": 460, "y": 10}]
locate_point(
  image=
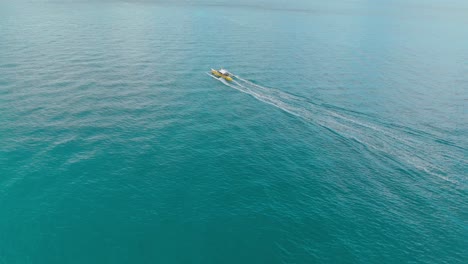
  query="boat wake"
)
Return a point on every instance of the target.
[{"x": 417, "y": 149}]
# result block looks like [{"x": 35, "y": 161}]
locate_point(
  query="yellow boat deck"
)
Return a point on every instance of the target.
[{"x": 219, "y": 74}]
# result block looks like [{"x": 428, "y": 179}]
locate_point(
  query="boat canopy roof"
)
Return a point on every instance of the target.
[{"x": 223, "y": 71}]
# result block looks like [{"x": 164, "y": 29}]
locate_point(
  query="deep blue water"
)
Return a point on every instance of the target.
[{"x": 343, "y": 138}]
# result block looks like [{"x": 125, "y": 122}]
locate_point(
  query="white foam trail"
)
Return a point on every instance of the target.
[{"x": 376, "y": 137}]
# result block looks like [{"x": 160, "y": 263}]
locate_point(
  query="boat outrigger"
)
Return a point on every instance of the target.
[{"x": 222, "y": 73}]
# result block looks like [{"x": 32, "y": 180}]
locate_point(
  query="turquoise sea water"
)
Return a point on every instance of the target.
[{"x": 342, "y": 140}]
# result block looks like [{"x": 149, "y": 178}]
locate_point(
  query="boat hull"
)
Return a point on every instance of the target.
[{"x": 218, "y": 74}]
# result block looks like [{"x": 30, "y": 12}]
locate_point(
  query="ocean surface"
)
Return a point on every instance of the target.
[{"x": 342, "y": 139}]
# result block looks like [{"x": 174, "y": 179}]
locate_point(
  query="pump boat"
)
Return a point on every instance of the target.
[{"x": 222, "y": 73}]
